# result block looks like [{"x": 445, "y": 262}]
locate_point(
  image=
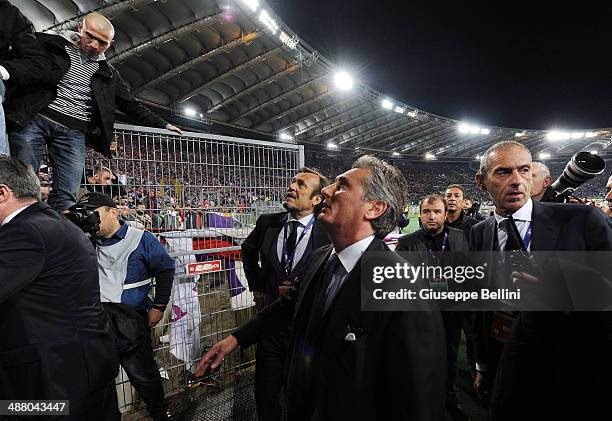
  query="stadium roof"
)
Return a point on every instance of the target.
[{"x": 234, "y": 63}]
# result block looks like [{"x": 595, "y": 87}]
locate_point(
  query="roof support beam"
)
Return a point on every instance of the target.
[
  {"x": 322, "y": 110},
  {"x": 333, "y": 117},
  {"x": 245, "y": 65},
  {"x": 160, "y": 39},
  {"x": 292, "y": 109},
  {"x": 385, "y": 135},
  {"x": 209, "y": 55},
  {"x": 109, "y": 11},
  {"x": 390, "y": 135},
  {"x": 350, "y": 129},
  {"x": 279, "y": 97},
  {"x": 272, "y": 78},
  {"x": 394, "y": 119}
]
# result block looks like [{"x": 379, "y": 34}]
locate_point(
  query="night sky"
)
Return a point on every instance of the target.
[{"x": 501, "y": 63}]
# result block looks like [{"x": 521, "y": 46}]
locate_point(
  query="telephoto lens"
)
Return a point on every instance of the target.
[{"x": 582, "y": 167}]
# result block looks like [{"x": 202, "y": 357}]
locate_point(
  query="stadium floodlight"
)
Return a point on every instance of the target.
[
  {"x": 544, "y": 155},
  {"x": 555, "y": 135},
  {"x": 478, "y": 157},
  {"x": 332, "y": 146},
  {"x": 270, "y": 23},
  {"x": 251, "y": 4},
  {"x": 412, "y": 114},
  {"x": 343, "y": 81},
  {"x": 594, "y": 151},
  {"x": 201, "y": 115},
  {"x": 474, "y": 129},
  {"x": 464, "y": 128},
  {"x": 485, "y": 131},
  {"x": 577, "y": 135},
  {"x": 430, "y": 156},
  {"x": 387, "y": 104},
  {"x": 286, "y": 136},
  {"x": 590, "y": 134},
  {"x": 396, "y": 154},
  {"x": 400, "y": 110},
  {"x": 289, "y": 41},
  {"x": 520, "y": 134},
  {"x": 190, "y": 112}
]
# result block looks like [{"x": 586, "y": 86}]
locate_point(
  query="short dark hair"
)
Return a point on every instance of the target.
[
  {"x": 456, "y": 186},
  {"x": 432, "y": 198},
  {"x": 20, "y": 178},
  {"x": 323, "y": 181}
]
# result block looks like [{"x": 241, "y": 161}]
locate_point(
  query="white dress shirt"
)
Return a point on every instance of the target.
[
  {"x": 522, "y": 220},
  {"x": 12, "y": 215},
  {"x": 301, "y": 246}
]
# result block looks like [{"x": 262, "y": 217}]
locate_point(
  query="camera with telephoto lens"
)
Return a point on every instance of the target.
[
  {"x": 582, "y": 167},
  {"x": 86, "y": 219}
]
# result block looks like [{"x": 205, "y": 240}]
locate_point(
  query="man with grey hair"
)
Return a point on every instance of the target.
[
  {"x": 541, "y": 180},
  {"x": 57, "y": 341},
  {"x": 345, "y": 363},
  {"x": 552, "y": 365}
]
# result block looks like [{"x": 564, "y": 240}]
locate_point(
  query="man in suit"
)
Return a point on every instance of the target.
[
  {"x": 554, "y": 366},
  {"x": 455, "y": 217},
  {"x": 57, "y": 343},
  {"x": 541, "y": 180},
  {"x": 346, "y": 363},
  {"x": 428, "y": 244},
  {"x": 274, "y": 254}
]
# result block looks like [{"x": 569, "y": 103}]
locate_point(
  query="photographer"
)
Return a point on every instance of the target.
[
  {"x": 128, "y": 259},
  {"x": 57, "y": 342}
]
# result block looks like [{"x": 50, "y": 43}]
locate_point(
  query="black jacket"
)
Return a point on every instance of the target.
[
  {"x": 554, "y": 366},
  {"x": 392, "y": 369},
  {"x": 26, "y": 61},
  {"x": 260, "y": 260},
  {"x": 56, "y": 340},
  {"x": 108, "y": 88}
]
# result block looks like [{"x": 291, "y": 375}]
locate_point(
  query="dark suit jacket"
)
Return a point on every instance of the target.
[
  {"x": 554, "y": 366},
  {"x": 417, "y": 240},
  {"x": 260, "y": 259},
  {"x": 57, "y": 343},
  {"x": 394, "y": 370}
]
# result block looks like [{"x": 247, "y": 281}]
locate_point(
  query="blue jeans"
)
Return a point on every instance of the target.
[
  {"x": 66, "y": 149},
  {"x": 4, "y": 146}
]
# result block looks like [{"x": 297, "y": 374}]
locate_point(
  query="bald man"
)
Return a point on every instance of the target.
[
  {"x": 541, "y": 180},
  {"x": 75, "y": 106}
]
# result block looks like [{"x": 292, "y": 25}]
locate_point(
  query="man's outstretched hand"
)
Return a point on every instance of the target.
[
  {"x": 174, "y": 129},
  {"x": 215, "y": 355}
]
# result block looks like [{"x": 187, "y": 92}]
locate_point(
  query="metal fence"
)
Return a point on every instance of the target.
[{"x": 201, "y": 195}]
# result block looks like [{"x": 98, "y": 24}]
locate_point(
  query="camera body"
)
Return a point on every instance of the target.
[{"x": 86, "y": 219}]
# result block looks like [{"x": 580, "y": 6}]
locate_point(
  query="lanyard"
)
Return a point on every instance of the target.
[
  {"x": 527, "y": 238},
  {"x": 444, "y": 243},
  {"x": 289, "y": 258}
]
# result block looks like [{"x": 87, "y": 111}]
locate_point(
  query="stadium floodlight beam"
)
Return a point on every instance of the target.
[
  {"x": 190, "y": 112},
  {"x": 400, "y": 110},
  {"x": 286, "y": 136},
  {"x": 577, "y": 135},
  {"x": 544, "y": 155},
  {"x": 555, "y": 135},
  {"x": 387, "y": 104},
  {"x": 485, "y": 131},
  {"x": 251, "y": 4},
  {"x": 343, "y": 80},
  {"x": 590, "y": 134},
  {"x": 464, "y": 128},
  {"x": 412, "y": 114},
  {"x": 474, "y": 129},
  {"x": 430, "y": 156},
  {"x": 594, "y": 151},
  {"x": 396, "y": 154},
  {"x": 332, "y": 146}
]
